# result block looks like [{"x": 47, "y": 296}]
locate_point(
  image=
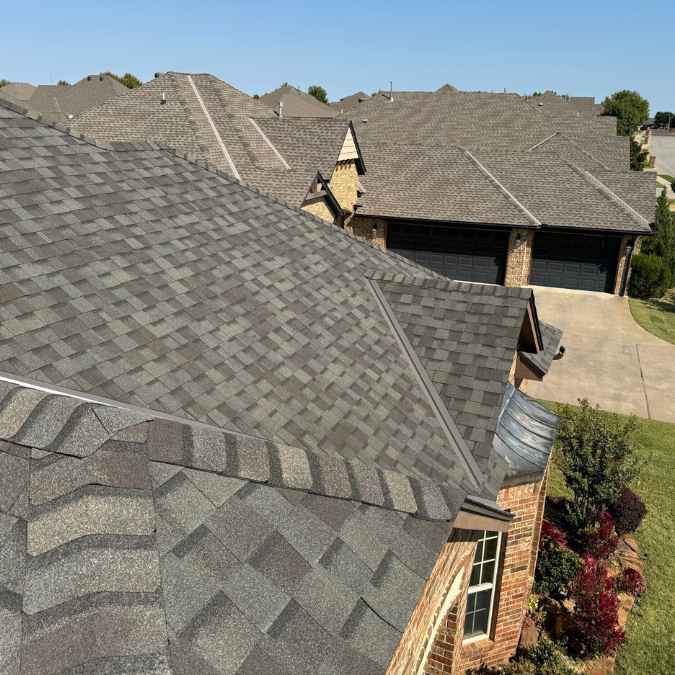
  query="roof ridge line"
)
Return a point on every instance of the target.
[
  {"x": 511, "y": 197},
  {"x": 269, "y": 143},
  {"x": 546, "y": 140},
  {"x": 214, "y": 129},
  {"x": 609, "y": 193},
  {"x": 441, "y": 412}
]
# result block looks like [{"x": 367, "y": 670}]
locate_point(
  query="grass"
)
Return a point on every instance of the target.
[
  {"x": 656, "y": 316},
  {"x": 650, "y": 634}
]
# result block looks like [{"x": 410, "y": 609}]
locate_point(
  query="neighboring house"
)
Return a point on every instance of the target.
[
  {"x": 348, "y": 102},
  {"x": 287, "y": 101},
  {"x": 233, "y": 439},
  {"x": 490, "y": 188},
  {"x": 62, "y": 102},
  {"x": 304, "y": 163},
  {"x": 17, "y": 92}
]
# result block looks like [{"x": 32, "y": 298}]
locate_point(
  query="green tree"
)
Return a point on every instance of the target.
[
  {"x": 63, "y": 83},
  {"x": 662, "y": 243},
  {"x": 318, "y": 92},
  {"x": 629, "y": 108},
  {"x": 130, "y": 81},
  {"x": 3, "y": 82},
  {"x": 638, "y": 156},
  {"x": 598, "y": 459},
  {"x": 665, "y": 119}
]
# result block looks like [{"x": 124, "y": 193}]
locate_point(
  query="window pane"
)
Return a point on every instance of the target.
[
  {"x": 479, "y": 552},
  {"x": 488, "y": 572},
  {"x": 468, "y": 625},
  {"x": 470, "y": 602},
  {"x": 483, "y": 599},
  {"x": 490, "y": 549},
  {"x": 475, "y": 575},
  {"x": 480, "y": 622}
]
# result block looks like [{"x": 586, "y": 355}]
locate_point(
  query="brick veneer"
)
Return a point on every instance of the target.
[
  {"x": 623, "y": 258},
  {"x": 519, "y": 258},
  {"x": 447, "y": 654},
  {"x": 344, "y": 184},
  {"x": 447, "y": 581}
]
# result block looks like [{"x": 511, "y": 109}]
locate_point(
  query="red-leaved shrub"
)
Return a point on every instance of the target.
[
  {"x": 602, "y": 542},
  {"x": 628, "y": 511},
  {"x": 552, "y": 533},
  {"x": 631, "y": 581},
  {"x": 596, "y": 609}
]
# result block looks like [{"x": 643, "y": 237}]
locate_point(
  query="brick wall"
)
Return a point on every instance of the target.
[
  {"x": 519, "y": 258},
  {"x": 344, "y": 184},
  {"x": 623, "y": 259},
  {"x": 447, "y": 654},
  {"x": 445, "y": 585},
  {"x": 373, "y": 230},
  {"x": 320, "y": 210}
]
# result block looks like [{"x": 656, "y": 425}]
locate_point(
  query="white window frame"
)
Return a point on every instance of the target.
[{"x": 491, "y": 585}]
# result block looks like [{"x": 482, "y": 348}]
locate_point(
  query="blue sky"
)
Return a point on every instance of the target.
[{"x": 581, "y": 48}]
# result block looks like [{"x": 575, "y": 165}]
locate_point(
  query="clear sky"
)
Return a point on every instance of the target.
[{"x": 580, "y": 48}]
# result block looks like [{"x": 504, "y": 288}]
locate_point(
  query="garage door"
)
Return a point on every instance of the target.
[
  {"x": 464, "y": 254},
  {"x": 578, "y": 261}
]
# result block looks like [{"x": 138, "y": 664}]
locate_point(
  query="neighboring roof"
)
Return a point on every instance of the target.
[
  {"x": 525, "y": 436},
  {"x": 296, "y": 103},
  {"x": 17, "y": 92},
  {"x": 348, "y": 102},
  {"x": 448, "y": 183},
  {"x": 58, "y": 103},
  {"x": 135, "y": 544},
  {"x": 211, "y": 121},
  {"x": 541, "y": 361}
]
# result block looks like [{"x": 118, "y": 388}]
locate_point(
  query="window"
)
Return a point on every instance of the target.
[{"x": 481, "y": 594}]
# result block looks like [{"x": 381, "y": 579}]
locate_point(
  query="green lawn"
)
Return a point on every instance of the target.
[
  {"x": 650, "y": 634},
  {"x": 656, "y": 316}
]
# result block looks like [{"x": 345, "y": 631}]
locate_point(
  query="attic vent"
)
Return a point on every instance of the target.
[
  {"x": 364, "y": 120},
  {"x": 157, "y": 75}
]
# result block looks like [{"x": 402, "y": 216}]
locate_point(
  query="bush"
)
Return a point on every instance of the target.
[
  {"x": 542, "y": 659},
  {"x": 596, "y": 610},
  {"x": 602, "y": 541},
  {"x": 628, "y": 511},
  {"x": 550, "y": 531},
  {"x": 598, "y": 459},
  {"x": 556, "y": 564},
  {"x": 631, "y": 581},
  {"x": 650, "y": 276}
]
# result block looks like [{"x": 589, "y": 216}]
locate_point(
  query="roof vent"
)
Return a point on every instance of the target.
[
  {"x": 100, "y": 77},
  {"x": 281, "y": 109},
  {"x": 88, "y": 78},
  {"x": 163, "y": 101},
  {"x": 157, "y": 75}
]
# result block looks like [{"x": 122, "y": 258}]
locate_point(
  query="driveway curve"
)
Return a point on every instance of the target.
[{"x": 609, "y": 359}]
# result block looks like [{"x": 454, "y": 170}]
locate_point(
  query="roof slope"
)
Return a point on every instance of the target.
[
  {"x": 17, "y": 92},
  {"x": 211, "y": 121},
  {"x": 296, "y": 103},
  {"x": 135, "y": 544},
  {"x": 114, "y": 271}
]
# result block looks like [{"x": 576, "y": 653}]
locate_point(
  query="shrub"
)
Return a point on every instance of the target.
[
  {"x": 631, "y": 581},
  {"x": 598, "y": 459},
  {"x": 542, "y": 659},
  {"x": 602, "y": 541},
  {"x": 556, "y": 567},
  {"x": 650, "y": 276},
  {"x": 596, "y": 610},
  {"x": 628, "y": 511},
  {"x": 550, "y": 531}
]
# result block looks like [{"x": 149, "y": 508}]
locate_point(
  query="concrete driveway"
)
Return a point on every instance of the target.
[
  {"x": 663, "y": 148},
  {"x": 609, "y": 359}
]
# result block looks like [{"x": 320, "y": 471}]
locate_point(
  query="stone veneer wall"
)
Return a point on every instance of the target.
[
  {"x": 373, "y": 230},
  {"x": 623, "y": 258},
  {"x": 320, "y": 210},
  {"x": 519, "y": 258},
  {"x": 448, "y": 654},
  {"x": 447, "y": 582},
  {"x": 344, "y": 184}
]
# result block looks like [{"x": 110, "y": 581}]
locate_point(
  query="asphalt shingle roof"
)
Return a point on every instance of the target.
[
  {"x": 237, "y": 134},
  {"x": 296, "y": 103},
  {"x": 130, "y": 543}
]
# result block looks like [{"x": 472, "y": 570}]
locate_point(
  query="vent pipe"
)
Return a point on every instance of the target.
[
  {"x": 281, "y": 109},
  {"x": 391, "y": 91}
]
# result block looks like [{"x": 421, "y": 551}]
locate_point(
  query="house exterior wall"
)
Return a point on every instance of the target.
[
  {"x": 344, "y": 184},
  {"x": 373, "y": 230},
  {"x": 320, "y": 210},
  {"x": 623, "y": 260},
  {"x": 519, "y": 257},
  {"x": 443, "y": 617}
]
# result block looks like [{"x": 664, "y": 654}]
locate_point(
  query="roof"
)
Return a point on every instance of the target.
[
  {"x": 219, "y": 450},
  {"x": 211, "y": 121},
  {"x": 348, "y": 102},
  {"x": 541, "y": 361},
  {"x": 58, "y": 103},
  {"x": 525, "y": 436},
  {"x": 296, "y": 103},
  {"x": 17, "y": 92},
  {"x": 136, "y": 544},
  {"x": 449, "y": 183}
]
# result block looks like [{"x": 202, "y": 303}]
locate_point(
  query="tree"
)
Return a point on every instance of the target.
[
  {"x": 63, "y": 83},
  {"x": 128, "y": 80},
  {"x": 662, "y": 243},
  {"x": 318, "y": 92},
  {"x": 638, "y": 156},
  {"x": 665, "y": 119},
  {"x": 3, "y": 82},
  {"x": 629, "y": 108}
]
